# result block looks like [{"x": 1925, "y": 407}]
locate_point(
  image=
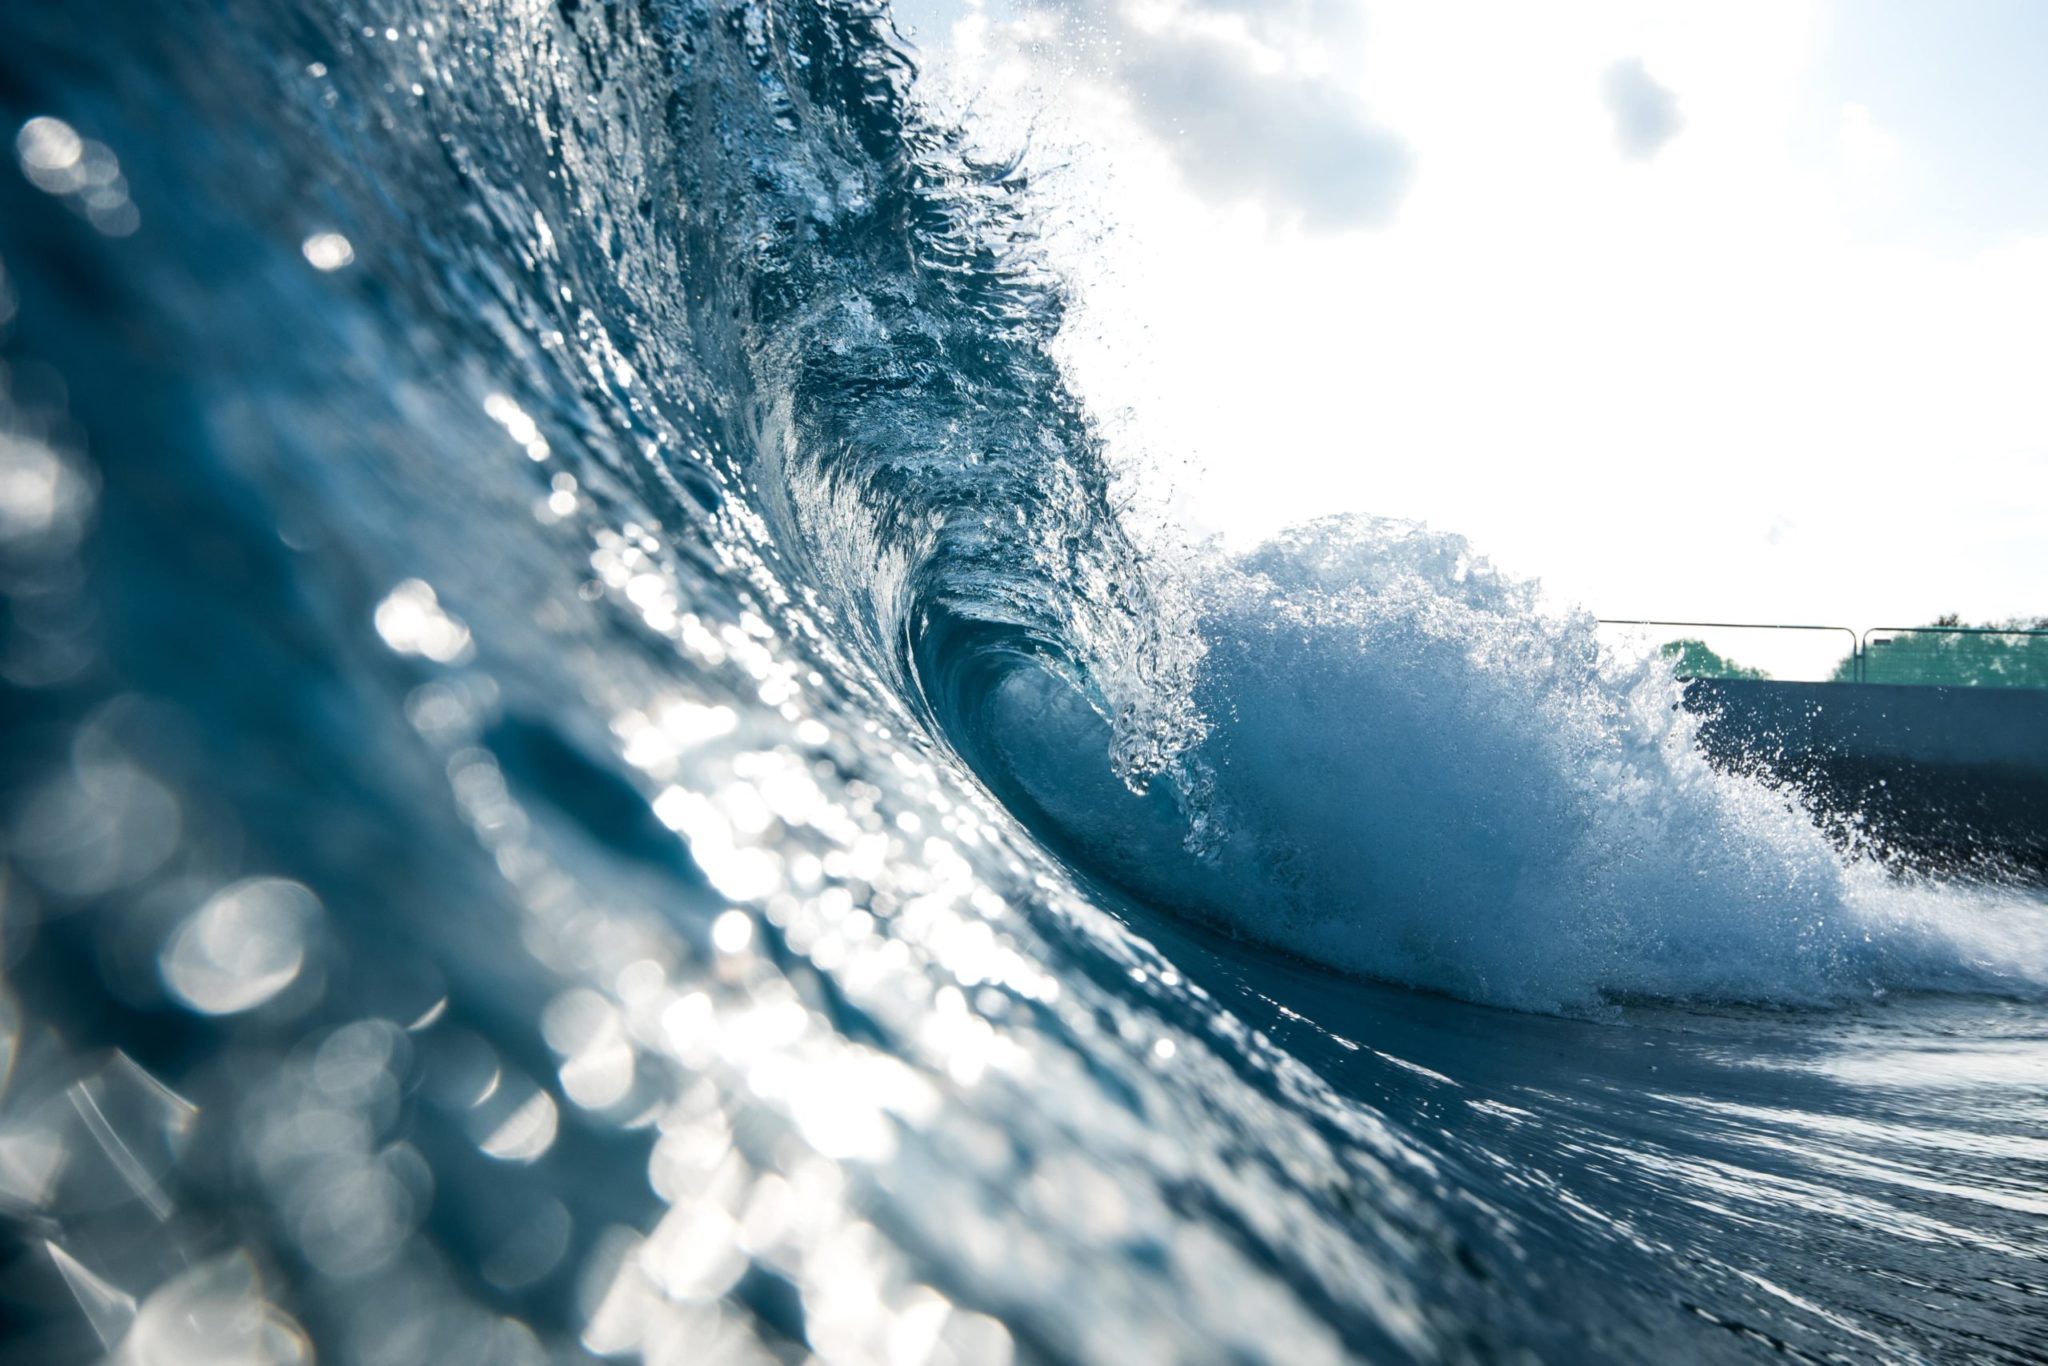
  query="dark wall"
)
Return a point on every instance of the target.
[{"x": 1938, "y": 779}]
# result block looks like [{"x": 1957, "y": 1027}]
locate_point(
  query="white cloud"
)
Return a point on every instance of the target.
[
  {"x": 1645, "y": 113},
  {"x": 1251, "y": 101},
  {"x": 1711, "y": 392},
  {"x": 1300, "y": 144}
]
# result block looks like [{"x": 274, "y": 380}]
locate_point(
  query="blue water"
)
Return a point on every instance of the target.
[{"x": 590, "y": 770}]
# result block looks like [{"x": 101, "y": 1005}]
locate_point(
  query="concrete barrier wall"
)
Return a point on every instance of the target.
[{"x": 1938, "y": 778}]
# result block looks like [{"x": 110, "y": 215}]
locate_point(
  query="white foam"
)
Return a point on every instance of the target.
[{"x": 1419, "y": 778}]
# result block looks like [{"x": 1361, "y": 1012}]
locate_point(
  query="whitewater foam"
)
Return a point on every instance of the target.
[{"x": 1414, "y": 775}]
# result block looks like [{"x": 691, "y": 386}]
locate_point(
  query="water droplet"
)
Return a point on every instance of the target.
[
  {"x": 412, "y": 622},
  {"x": 50, "y": 151},
  {"x": 328, "y": 251},
  {"x": 526, "y": 1133},
  {"x": 242, "y": 947},
  {"x": 732, "y": 932}
]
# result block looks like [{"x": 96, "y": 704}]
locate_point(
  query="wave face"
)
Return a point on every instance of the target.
[{"x": 591, "y": 770}]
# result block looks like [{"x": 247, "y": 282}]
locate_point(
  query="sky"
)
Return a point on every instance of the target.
[{"x": 1732, "y": 312}]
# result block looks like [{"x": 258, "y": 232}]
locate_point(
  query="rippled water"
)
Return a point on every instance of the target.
[{"x": 589, "y": 770}]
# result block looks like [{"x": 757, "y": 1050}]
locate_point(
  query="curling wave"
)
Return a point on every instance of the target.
[
  {"x": 531, "y": 534},
  {"x": 1414, "y": 775},
  {"x": 1369, "y": 748}
]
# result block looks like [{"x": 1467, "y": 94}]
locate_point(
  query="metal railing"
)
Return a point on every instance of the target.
[
  {"x": 1954, "y": 656},
  {"x": 1707, "y": 651},
  {"x": 1947, "y": 656}
]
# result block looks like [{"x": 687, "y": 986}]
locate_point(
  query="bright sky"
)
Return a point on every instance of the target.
[{"x": 1733, "y": 311}]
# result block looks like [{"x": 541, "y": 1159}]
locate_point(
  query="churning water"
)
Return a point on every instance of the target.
[{"x": 589, "y": 769}]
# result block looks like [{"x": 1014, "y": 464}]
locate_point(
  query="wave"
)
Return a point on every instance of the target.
[
  {"x": 530, "y": 533},
  {"x": 1412, "y": 774},
  {"x": 915, "y": 450},
  {"x": 1359, "y": 743},
  {"x": 800, "y": 321}
]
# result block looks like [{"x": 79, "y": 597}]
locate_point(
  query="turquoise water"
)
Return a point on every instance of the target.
[{"x": 589, "y": 770}]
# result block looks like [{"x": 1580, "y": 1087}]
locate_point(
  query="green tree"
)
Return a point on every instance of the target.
[
  {"x": 1945, "y": 652},
  {"x": 1696, "y": 659}
]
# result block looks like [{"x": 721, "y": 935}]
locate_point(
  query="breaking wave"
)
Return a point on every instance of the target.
[{"x": 591, "y": 768}]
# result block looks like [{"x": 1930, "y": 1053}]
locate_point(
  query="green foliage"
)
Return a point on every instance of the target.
[
  {"x": 1949, "y": 654},
  {"x": 1695, "y": 659}
]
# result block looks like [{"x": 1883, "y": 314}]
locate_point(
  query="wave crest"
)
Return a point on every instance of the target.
[{"x": 1416, "y": 776}]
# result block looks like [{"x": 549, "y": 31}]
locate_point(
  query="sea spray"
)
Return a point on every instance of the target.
[{"x": 1415, "y": 775}]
